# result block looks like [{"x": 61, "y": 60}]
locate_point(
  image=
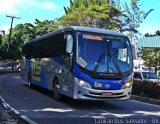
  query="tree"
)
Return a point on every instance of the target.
[
  {"x": 4, "y": 47},
  {"x": 0, "y": 40},
  {"x": 134, "y": 16},
  {"x": 43, "y": 27},
  {"x": 99, "y": 13},
  {"x": 108, "y": 14},
  {"x": 151, "y": 56},
  {"x": 20, "y": 34},
  {"x": 149, "y": 35},
  {"x": 158, "y": 33}
]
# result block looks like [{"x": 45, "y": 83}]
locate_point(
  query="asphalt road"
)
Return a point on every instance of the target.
[{"x": 38, "y": 105}]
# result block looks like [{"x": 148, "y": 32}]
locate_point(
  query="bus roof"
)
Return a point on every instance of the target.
[{"x": 76, "y": 28}]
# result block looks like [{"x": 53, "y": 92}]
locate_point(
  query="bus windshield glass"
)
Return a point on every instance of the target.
[{"x": 104, "y": 53}]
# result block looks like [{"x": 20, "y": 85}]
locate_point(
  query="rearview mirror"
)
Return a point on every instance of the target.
[{"x": 69, "y": 45}]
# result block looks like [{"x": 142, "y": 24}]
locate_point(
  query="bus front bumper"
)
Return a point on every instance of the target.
[{"x": 94, "y": 94}]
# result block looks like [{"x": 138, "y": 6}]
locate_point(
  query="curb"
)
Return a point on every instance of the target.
[
  {"x": 9, "y": 108},
  {"x": 145, "y": 99}
]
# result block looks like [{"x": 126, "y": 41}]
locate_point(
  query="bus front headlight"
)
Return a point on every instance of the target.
[
  {"x": 128, "y": 83},
  {"x": 82, "y": 83}
]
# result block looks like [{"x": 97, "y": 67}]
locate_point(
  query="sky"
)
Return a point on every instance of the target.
[{"x": 29, "y": 10}]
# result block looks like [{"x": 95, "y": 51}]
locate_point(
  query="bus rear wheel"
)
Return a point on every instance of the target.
[{"x": 56, "y": 90}]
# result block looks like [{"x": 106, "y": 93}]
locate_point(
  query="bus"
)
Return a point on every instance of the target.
[{"x": 84, "y": 63}]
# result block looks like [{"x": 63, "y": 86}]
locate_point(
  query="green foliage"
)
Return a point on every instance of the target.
[
  {"x": 22, "y": 33},
  {"x": 157, "y": 33},
  {"x": 107, "y": 14},
  {"x": 134, "y": 16},
  {"x": 151, "y": 56},
  {"x": 43, "y": 27},
  {"x": 97, "y": 13},
  {"x": 0, "y": 40}
]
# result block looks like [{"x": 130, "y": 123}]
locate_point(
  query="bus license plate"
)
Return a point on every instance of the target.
[{"x": 106, "y": 93}]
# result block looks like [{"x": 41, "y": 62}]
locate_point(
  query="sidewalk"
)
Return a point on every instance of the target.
[
  {"x": 146, "y": 99},
  {"x": 8, "y": 116}
]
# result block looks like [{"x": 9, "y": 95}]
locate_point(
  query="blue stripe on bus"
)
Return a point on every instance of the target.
[{"x": 114, "y": 84}]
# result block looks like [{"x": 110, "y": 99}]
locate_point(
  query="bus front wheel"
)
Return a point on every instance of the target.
[{"x": 56, "y": 90}]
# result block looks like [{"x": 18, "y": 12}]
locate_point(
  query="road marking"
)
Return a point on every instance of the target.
[
  {"x": 53, "y": 110},
  {"x": 28, "y": 120},
  {"x": 115, "y": 115},
  {"x": 108, "y": 113}
]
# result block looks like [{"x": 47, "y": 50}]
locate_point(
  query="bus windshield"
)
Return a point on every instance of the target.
[{"x": 104, "y": 53}]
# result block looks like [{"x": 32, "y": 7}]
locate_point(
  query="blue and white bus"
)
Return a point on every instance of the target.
[{"x": 80, "y": 62}]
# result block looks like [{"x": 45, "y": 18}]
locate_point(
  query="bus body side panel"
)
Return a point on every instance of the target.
[
  {"x": 37, "y": 75},
  {"x": 51, "y": 69},
  {"x": 43, "y": 71},
  {"x": 24, "y": 69}
]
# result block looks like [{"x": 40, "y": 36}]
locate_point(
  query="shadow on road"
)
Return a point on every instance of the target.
[{"x": 78, "y": 104}]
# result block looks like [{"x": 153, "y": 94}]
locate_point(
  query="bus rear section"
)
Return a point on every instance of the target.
[{"x": 92, "y": 64}]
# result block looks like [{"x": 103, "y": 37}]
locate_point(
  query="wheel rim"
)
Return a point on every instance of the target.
[
  {"x": 56, "y": 88},
  {"x": 29, "y": 81}
]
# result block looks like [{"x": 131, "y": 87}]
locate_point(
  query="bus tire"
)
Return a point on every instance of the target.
[
  {"x": 29, "y": 80},
  {"x": 56, "y": 90}
]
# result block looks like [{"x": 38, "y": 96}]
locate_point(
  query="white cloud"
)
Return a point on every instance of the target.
[
  {"x": 16, "y": 6},
  {"x": 49, "y": 5},
  {"x": 5, "y": 28}
]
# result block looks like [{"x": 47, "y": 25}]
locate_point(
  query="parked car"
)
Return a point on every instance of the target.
[{"x": 143, "y": 75}]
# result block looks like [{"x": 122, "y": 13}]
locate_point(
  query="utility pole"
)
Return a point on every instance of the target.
[{"x": 10, "y": 32}]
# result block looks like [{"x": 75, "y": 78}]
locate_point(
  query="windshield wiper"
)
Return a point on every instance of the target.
[
  {"x": 116, "y": 64},
  {"x": 99, "y": 61},
  {"x": 109, "y": 55}
]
